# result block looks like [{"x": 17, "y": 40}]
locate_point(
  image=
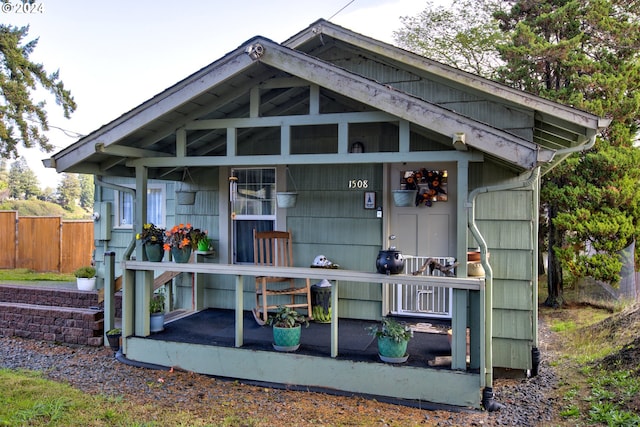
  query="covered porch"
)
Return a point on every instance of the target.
[{"x": 338, "y": 356}]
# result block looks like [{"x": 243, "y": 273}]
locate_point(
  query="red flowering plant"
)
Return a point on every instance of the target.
[
  {"x": 151, "y": 235},
  {"x": 183, "y": 235}
]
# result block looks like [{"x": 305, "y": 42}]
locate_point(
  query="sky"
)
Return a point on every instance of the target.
[{"x": 115, "y": 55}]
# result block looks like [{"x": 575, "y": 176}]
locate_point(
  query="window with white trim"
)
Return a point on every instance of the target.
[{"x": 156, "y": 198}]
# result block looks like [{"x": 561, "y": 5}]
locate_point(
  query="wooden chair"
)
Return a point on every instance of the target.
[{"x": 273, "y": 248}]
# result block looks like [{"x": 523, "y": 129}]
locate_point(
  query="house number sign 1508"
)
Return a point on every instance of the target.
[{"x": 358, "y": 183}]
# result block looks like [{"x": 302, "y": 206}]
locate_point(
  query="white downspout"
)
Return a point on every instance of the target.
[{"x": 488, "y": 300}]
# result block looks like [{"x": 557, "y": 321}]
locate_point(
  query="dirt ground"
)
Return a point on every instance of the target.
[{"x": 214, "y": 401}]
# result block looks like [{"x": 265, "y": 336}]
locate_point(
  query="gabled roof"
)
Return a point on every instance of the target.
[
  {"x": 556, "y": 124},
  {"x": 219, "y": 96}
]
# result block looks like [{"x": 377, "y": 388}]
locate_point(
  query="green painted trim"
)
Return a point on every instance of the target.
[{"x": 373, "y": 378}]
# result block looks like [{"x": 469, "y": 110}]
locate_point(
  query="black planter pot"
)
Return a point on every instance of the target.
[{"x": 114, "y": 341}]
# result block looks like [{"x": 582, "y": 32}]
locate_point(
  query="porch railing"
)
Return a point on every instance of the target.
[{"x": 138, "y": 285}]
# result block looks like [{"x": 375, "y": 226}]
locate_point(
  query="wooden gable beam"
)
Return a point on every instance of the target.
[
  {"x": 163, "y": 103},
  {"x": 125, "y": 151}
]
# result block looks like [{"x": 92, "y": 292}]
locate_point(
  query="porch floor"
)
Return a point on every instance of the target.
[{"x": 216, "y": 327}]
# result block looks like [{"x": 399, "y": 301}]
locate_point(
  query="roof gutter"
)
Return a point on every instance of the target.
[
  {"x": 570, "y": 150},
  {"x": 488, "y": 402},
  {"x": 132, "y": 244}
]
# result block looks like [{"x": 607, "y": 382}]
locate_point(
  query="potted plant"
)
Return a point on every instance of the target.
[
  {"x": 156, "y": 308},
  {"x": 181, "y": 240},
  {"x": 152, "y": 239},
  {"x": 86, "y": 278},
  {"x": 287, "y": 325},
  {"x": 203, "y": 243},
  {"x": 393, "y": 338},
  {"x": 113, "y": 336}
]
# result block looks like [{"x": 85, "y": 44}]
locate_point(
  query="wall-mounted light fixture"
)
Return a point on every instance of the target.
[
  {"x": 357, "y": 147},
  {"x": 459, "y": 141}
]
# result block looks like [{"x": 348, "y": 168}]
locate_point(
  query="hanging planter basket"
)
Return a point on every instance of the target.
[
  {"x": 185, "y": 197},
  {"x": 404, "y": 198},
  {"x": 286, "y": 199}
]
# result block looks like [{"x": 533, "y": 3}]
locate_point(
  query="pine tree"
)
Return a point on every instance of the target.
[
  {"x": 86, "y": 191},
  {"x": 23, "y": 182},
  {"x": 583, "y": 53},
  {"x": 69, "y": 191},
  {"x": 23, "y": 122}
]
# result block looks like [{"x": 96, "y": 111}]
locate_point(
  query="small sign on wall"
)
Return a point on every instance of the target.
[{"x": 369, "y": 199}]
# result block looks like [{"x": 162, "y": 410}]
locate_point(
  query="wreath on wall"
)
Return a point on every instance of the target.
[{"x": 430, "y": 185}]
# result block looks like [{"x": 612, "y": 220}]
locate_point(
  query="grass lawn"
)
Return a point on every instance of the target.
[{"x": 25, "y": 275}]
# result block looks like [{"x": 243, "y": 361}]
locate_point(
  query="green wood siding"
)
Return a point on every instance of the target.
[
  {"x": 330, "y": 219},
  {"x": 508, "y": 353},
  {"x": 514, "y": 235},
  {"x": 511, "y": 264},
  {"x": 505, "y": 219},
  {"x": 513, "y": 324},
  {"x": 505, "y": 206},
  {"x": 512, "y": 294},
  {"x": 445, "y": 94}
]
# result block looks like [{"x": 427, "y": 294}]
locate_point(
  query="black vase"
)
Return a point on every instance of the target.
[
  {"x": 114, "y": 341},
  {"x": 390, "y": 262}
]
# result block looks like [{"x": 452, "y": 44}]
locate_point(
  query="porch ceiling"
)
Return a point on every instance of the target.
[{"x": 281, "y": 80}]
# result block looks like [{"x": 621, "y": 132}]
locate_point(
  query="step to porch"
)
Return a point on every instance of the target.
[{"x": 51, "y": 313}]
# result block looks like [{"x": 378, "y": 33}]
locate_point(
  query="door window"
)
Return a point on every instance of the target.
[{"x": 253, "y": 206}]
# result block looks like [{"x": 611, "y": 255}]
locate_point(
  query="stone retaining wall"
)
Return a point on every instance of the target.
[
  {"x": 63, "y": 324},
  {"x": 53, "y": 314},
  {"x": 56, "y": 297}
]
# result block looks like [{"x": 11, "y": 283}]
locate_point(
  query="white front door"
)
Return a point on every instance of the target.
[{"x": 426, "y": 230}]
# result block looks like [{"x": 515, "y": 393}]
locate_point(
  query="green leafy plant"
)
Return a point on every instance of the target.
[
  {"x": 287, "y": 317},
  {"x": 151, "y": 235},
  {"x": 85, "y": 272},
  {"x": 114, "y": 331},
  {"x": 390, "y": 328},
  {"x": 156, "y": 305}
]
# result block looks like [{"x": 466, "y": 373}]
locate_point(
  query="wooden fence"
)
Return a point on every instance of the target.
[{"x": 44, "y": 244}]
